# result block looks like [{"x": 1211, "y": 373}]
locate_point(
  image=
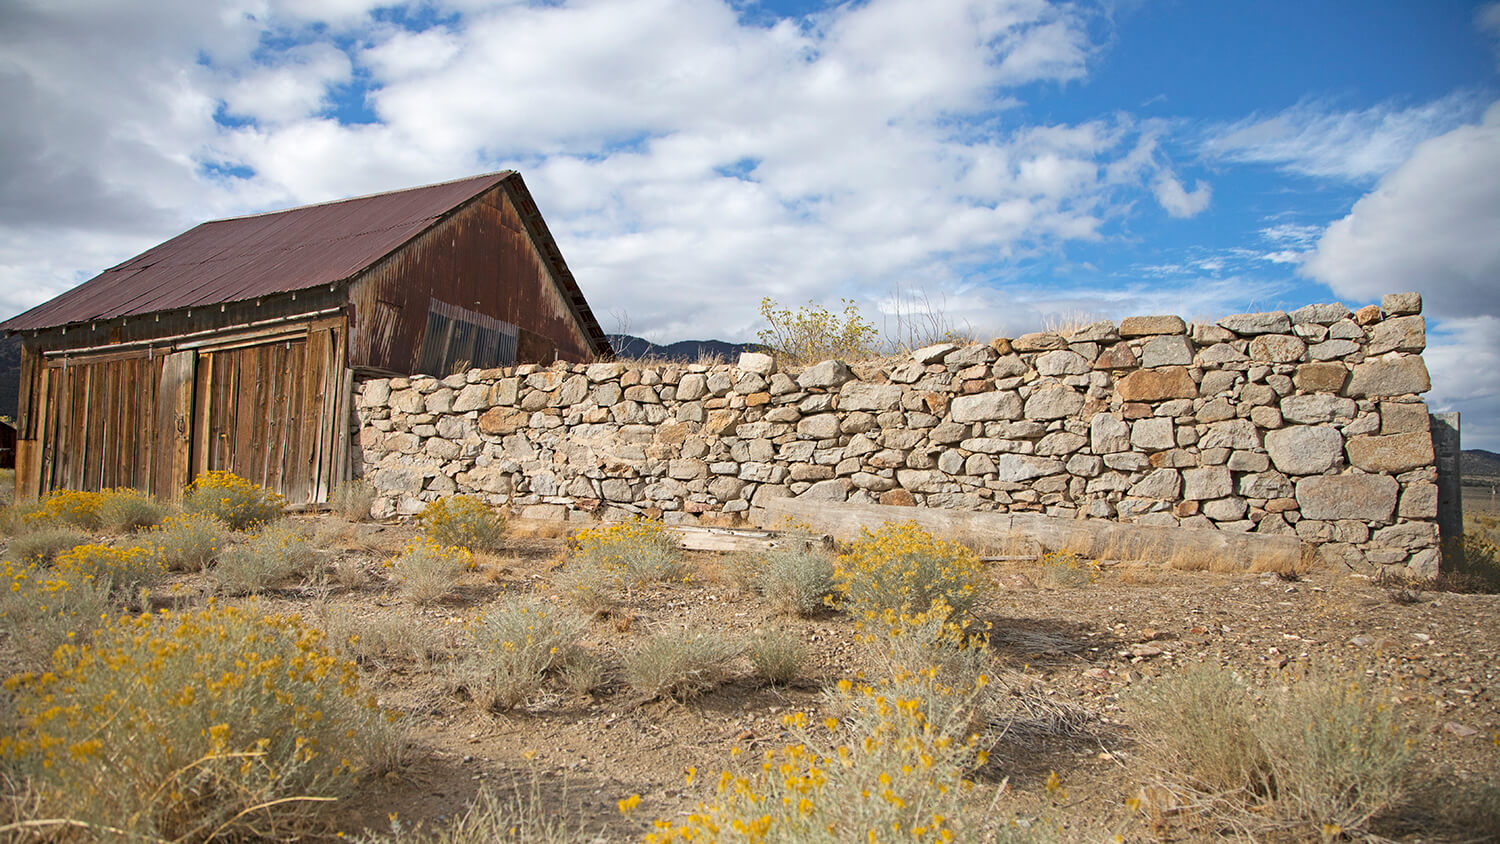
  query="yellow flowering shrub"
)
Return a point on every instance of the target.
[
  {"x": 427, "y": 571},
  {"x": 231, "y": 499},
  {"x": 637, "y": 551},
  {"x": 117, "y": 569},
  {"x": 1064, "y": 568},
  {"x": 465, "y": 521},
  {"x": 517, "y": 643},
  {"x": 222, "y": 723},
  {"x": 41, "y": 609},
  {"x": 904, "y": 568},
  {"x": 68, "y": 507}
]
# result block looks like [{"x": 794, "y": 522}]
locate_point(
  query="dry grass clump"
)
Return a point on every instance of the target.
[
  {"x": 518, "y": 643},
  {"x": 1066, "y": 570},
  {"x": 426, "y": 571},
  {"x": 682, "y": 664},
  {"x": 41, "y": 609},
  {"x": 271, "y": 556},
  {"x": 129, "y": 510},
  {"x": 236, "y": 502},
  {"x": 795, "y": 581},
  {"x": 1321, "y": 756},
  {"x": 776, "y": 656},
  {"x": 528, "y": 817},
  {"x": 222, "y": 723},
  {"x": 188, "y": 541},
  {"x": 380, "y": 639},
  {"x": 464, "y": 521},
  {"x": 43, "y": 544},
  {"x": 903, "y": 568},
  {"x": 352, "y": 500}
]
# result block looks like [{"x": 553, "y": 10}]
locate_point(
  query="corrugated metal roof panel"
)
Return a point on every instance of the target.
[{"x": 246, "y": 257}]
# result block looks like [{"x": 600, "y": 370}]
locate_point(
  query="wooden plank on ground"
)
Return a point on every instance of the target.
[
  {"x": 1093, "y": 538},
  {"x": 696, "y": 538}
]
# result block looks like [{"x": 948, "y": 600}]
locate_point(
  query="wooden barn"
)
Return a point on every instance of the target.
[{"x": 236, "y": 345}]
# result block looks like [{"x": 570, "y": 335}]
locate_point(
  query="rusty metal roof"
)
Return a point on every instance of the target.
[{"x": 280, "y": 252}]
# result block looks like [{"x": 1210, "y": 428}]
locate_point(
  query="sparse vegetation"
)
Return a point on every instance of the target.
[
  {"x": 120, "y": 570},
  {"x": 211, "y": 724},
  {"x": 130, "y": 510},
  {"x": 1066, "y": 569},
  {"x": 187, "y": 541},
  {"x": 352, "y": 500},
  {"x": 426, "y": 572},
  {"x": 464, "y": 521},
  {"x": 41, "y": 610},
  {"x": 238, "y": 503},
  {"x": 43, "y": 544},
  {"x": 776, "y": 656},
  {"x": 607, "y": 560}
]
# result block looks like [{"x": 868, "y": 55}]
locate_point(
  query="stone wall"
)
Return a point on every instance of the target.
[{"x": 1309, "y": 423}]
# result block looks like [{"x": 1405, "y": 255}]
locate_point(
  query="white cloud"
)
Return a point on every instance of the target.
[
  {"x": 1314, "y": 139},
  {"x": 1487, "y": 21},
  {"x": 1463, "y": 358},
  {"x": 1178, "y": 201},
  {"x": 1429, "y": 226},
  {"x": 295, "y": 87}
]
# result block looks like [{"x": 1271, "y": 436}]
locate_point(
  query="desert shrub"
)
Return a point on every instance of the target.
[
  {"x": 464, "y": 521},
  {"x": 121, "y": 570},
  {"x": 776, "y": 656},
  {"x": 1320, "y": 754},
  {"x": 517, "y": 643},
  {"x": 129, "y": 510},
  {"x": 352, "y": 499},
  {"x": 270, "y": 556},
  {"x": 1066, "y": 569},
  {"x": 187, "y": 541},
  {"x": 68, "y": 507},
  {"x": 41, "y": 609},
  {"x": 427, "y": 572},
  {"x": 595, "y": 590},
  {"x": 581, "y": 671},
  {"x": 682, "y": 664},
  {"x": 795, "y": 581},
  {"x": 883, "y": 771},
  {"x": 633, "y": 552},
  {"x": 903, "y": 568},
  {"x": 527, "y": 816},
  {"x": 222, "y": 723},
  {"x": 812, "y": 333},
  {"x": 43, "y": 544},
  {"x": 378, "y": 639},
  {"x": 236, "y": 502}
]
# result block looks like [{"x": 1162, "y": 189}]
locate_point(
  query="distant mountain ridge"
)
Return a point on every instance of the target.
[
  {"x": 1477, "y": 463},
  {"x": 683, "y": 351}
]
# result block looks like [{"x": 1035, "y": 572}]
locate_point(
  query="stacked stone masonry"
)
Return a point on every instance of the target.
[{"x": 1308, "y": 423}]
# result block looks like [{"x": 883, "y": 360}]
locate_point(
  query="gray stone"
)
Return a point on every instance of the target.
[
  {"x": 1225, "y": 509},
  {"x": 376, "y": 392},
  {"x": 1316, "y": 407},
  {"x": 978, "y": 465},
  {"x": 820, "y": 427},
  {"x": 1219, "y": 354},
  {"x": 921, "y": 480},
  {"x": 1265, "y": 485},
  {"x": 1272, "y": 322},
  {"x": 1008, "y": 366},
  {"x": 1143, "y": 326},
  {"x": 967, "y": 356},
  {"x": 1418, "y": 501},
  {"x": 757, "y": 362},
  {"x": 1167, "y": 350},
  {"x": 692, "y": 387},
  {"x": 1216, "y": 410},
  {"x": 1206, "y": 482},
  {"x": 1332, "y": 349},
  {"x": 1039, "y": 341},
  {"x": 1323, "y": 314},
  {"x": 1391, "y": 453},
  {"x": 1053, "y": 402},
  {"x": 405, "y": 479},
  {"x": 1396, "y": 304},
  {"x": 1095, "y": 332},
  {"x": 1402, "y": 334},
  {"x": 1085, "y": 465},
  {"x": 472, "y": 397},
  {"x": 1277, "y": 348},
  {"x": 835, "y": 489},
  {"x": 1164, "y": 484},
  {"x": 986, "y": 407},
  {"x": 1390, "y": 376},
  {"x": 859, "y": 395},
  {"x": 1305, "y": 449},
  {"x": 830, "y": 374},
  {"x": 1408, "y": 536},
  {"x": 1059, "y": 443},
  {"x": 1061, "y": 362},
  {"x": 1248, "y": 461},
  {"x": 1364, "y": 497},
  {"x": 1015, "y": 468},
  {"x": 1346, "y": 329},
  {"x": 1217, "y": 382},
  {"x": 1237, "y": 434},
  {"x": 406, "y": 401},
  {"x": 1404, "y": 417},
  {"x": 934, "y": 353},
  {"x": 1152, "y": 434}
]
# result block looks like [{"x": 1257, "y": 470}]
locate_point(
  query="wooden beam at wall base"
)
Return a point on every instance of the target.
[{"x": 1186, "y": 548}]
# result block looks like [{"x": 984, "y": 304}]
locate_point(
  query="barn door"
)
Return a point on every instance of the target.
[{"x": 174, "y": 425}]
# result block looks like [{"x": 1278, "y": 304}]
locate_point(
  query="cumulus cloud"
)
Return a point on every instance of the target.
[
  {"x": 1177, "y": 200},
  {"x": 1430, "y": 225},
  {"x": 1314, "y": 139}
]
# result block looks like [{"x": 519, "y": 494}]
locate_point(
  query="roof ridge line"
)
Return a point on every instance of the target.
[{"x": 503, "y": 173}]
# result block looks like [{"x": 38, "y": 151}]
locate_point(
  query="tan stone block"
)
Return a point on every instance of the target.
[{"x": 1168, "y": 382}]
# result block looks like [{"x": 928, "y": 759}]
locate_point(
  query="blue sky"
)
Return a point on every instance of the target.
[{"x": 1008, "y": 163}]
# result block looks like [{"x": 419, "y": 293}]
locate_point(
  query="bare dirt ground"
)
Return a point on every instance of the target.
[{"x": 1069, "y": 653}]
